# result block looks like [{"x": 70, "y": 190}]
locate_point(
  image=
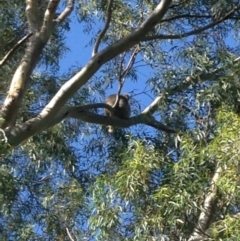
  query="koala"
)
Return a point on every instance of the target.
[{"x": 122, "y": 109}]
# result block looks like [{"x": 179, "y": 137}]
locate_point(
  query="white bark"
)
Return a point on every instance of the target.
[{"x": 208, "y": 210}]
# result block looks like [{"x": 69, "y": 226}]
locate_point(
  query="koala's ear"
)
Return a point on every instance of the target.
[{"x": 127, "y": 96}]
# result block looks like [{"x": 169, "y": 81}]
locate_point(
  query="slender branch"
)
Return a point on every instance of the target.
[
  {"x": 104, "y": 30},
  {"x": 192, "y": 16},
  {"x": 130, "y": 63},
  {"x": 208, "y": 209},
  {"x": 125, "y": 72},
  {"x": 196, "y": 31},
  {"x": 16, "y": 46},
  {"x": 69, "y": 235},
  {"x": 185, "y": 16},
  {"x": 67, "y": 11}
]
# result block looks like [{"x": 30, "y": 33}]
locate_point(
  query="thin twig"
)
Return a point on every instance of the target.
[
  {"x": 17, "y": 45},
  {"x": 102, "y": 33},
  {"x": 124, "y": 74},
  {"x": 130, "y": 63}
]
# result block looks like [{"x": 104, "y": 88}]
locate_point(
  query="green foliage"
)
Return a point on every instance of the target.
[{"x": 133, "y": 199}]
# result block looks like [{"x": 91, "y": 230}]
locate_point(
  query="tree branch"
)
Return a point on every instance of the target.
[
  {"x": 185, "y": 16},
  {"x": 122, "y": 76},
  {"x": 104, "y": 30},
  {"x": 130, "y": 63},
  {"x": 153, "y": 106},
  {"x": 31, "y": 57},
  {"x": 48, "y": 19},
  {"x": 196, "y": 31},
  {"x": 16, "y": 46},
  {"x": 78, "y": 80},
  {"x": 208, "y": 209},
  {"x": 67, "y": 11},
  {"x": 19, "y": 133}
]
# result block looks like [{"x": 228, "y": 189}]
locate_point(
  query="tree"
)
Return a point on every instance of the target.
[{"x": 62, "y": 179}]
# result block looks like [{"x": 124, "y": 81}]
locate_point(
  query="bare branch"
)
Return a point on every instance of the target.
[
  {"x": 16, "y": 46},
  {"x": 104, "y": 30},
  {"x": 67, "y": 11},
  {"x": 196, "y": 31},
  {"x": 32, "y": 15},
  {"x": 125, "y": 72},
  {"x": 208, "y": 209}
]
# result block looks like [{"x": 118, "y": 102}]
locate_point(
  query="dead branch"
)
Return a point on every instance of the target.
[
  {"x": 13, "y": 50},
  {"x": 104, "y": 30}
]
